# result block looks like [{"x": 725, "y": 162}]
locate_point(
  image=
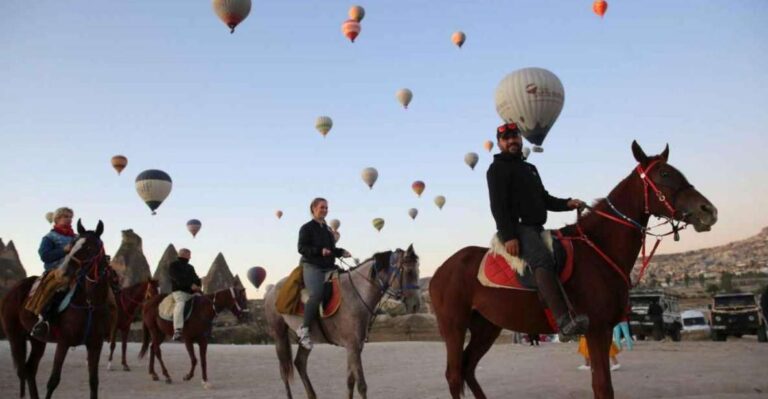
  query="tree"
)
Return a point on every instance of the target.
[
  {"x": 726, "y": 281},
  {"x": 712, "y": 289}
]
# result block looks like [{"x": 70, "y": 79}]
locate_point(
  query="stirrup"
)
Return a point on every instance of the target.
[
  {"x": 573, "y": 325},
  {"x": 40, "y": 330}
]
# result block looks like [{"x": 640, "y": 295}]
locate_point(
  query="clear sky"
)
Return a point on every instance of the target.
[{"x": 231, "y": 117}]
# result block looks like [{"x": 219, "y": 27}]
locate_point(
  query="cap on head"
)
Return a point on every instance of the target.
[
  {"x": 185, "y": 253},
  {"x": 507, "y": 130}
]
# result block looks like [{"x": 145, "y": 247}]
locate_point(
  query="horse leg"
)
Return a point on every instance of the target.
[
  {"x": 159, "y": 354},
  {"x": 30, "y": 368},
  {"x": 355, "y": 365},
  {"x": 18, "y": 343},
  {"x": 58, "y": 362},
  {"x": 124, "y": 337},
  {"x": 203, "y": 344},
  {"x": 283, "y": 348},
  {"x": 152, "y": 372},
  {"x": 599, "y": 344},
  {"x": 112, "y": 344},
  {"x": 301, "y": 365},
  {"x": 483, "y": 334},
  {"x": 94, "y": 354},
  {"x": 454, "y": 332},
  {"x": 192, "y": 359}
]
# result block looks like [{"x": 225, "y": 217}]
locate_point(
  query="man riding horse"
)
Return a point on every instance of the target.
[
  {"x": 519, "y": 204},
  {"x": 184, "y": 283}
]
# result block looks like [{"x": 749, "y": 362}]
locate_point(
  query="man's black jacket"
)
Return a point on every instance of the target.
[
  {"x": 183, "y": 275},
  {"x": 518, "y": 196}
]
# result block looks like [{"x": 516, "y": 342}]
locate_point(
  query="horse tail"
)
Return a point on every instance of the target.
[
  {"x": 144, "y": 340},
  {"x": 284, "y": 352}
]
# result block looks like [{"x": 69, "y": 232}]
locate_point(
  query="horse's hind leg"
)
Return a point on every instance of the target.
[
  {"x": 124, "y": 337},
  {"x": 159, "y": 355},
  {"x": 192, "y": 359},
  {"x": 30, "y": 368},
  {"x": 599, "y": 344},
  {"x": 283, "y": 348},
  {"x": 484, "y": 333},
  {"x": 203, "y": 344},
  {"x": 301, "y": 365},
  {"x": 112, "y": 344},
  {"x": 453, "y": 328},
  {"x": 58, "y": 362},
  {"x": 18, "y": 343}
]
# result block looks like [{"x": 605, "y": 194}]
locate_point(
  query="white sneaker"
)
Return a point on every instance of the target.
[
  {"x": 615, "y": 367},
  {"x": 304, "y": 340},
  {"x": 583, "y": 367}
]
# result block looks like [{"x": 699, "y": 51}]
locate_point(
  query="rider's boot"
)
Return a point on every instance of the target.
[{"x": 569, "y": 325}]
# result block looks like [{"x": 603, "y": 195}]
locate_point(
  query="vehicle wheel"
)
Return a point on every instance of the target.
[
  {"x": 738, "y": 335},
  {"x": 658, "y": 334},
  {"x": 762, "y": 335},
  {"x": 640, "y": 337},
  {"x": 718, "y": 336},
  {"x": 675, "y": 334}
]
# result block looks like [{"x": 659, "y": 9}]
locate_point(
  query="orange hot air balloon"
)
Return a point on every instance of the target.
[
  {"x": 418, "y": 187},
  {"x": 458, "y": 38},
  {"x": 279, "y": 214},
  {"x": 119, "y": 162},
  {"x": 488, "y": 145},
  {"x": 350, "y": 28},
  {"x": 357, "y": 13},
  {"x": 600, "y": 7}
]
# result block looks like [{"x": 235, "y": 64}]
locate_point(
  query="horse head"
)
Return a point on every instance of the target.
[
  {"x": 397, "y": 272},
  {"x": 668, "y": 194},
  {"x": 234, "y": 300},
  {"x": 87, "y": 255},
  {"x": 152, "y": 289}
]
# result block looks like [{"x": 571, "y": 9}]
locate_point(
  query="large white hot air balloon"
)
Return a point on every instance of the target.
[
  {"x": 335, "y": 224},
  {"x": 370, "y": 175},
  {"x": 532, "y": 98},
  {"x": 232, "y": 12},
  {"x": 153, "y": 187},
  {"x": 404, "y": 97}
]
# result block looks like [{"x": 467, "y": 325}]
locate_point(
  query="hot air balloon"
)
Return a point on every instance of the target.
[
  {"x": 119, "y": 162},
  {"x": 418, "y": 187},
  {"x": 378, "y": 223},
  {"x": 471, "y": 159},
  {"x": 404, "y": 96},
  {"x": 526, "y": 152},
  {"x": 357, "y": 13},
  {"x": 369, "y": 176},
  {"x": 153, "y": 187},
  {"x": 323, "y": 124},
  {"x": 256, "y": 276},
  {"x": 279, "y": 214},
  {"x": 488, "y": 145},
  {"x": 193, "y": 225},
  {"x": 232, "y": 12},
  {"x": 351, "y": 28},
  {"x": 49, "y": 217},
  {"x": 413, "y": 212},
  {"x": 600, "y": 7},
  {"x": 335, "y": 224},
  {"x": 532, "y": 98},
  {"x": 458, "y": 38},
  {"x": 440, "y": 201}
]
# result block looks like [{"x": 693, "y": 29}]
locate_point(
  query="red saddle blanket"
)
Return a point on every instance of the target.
[{"x": 330, "y": 305}]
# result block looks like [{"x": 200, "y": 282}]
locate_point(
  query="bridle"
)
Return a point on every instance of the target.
[
  {"x": 618, "y": 217},
  {"x": 238, "y": 311}
]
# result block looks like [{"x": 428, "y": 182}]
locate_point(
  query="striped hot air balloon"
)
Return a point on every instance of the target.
[
  {"x": 119, "y": 162},
  {"x": 232, "y": 12},
  {"x": 356, "y": 13},
  {"x": 418, "y": 187},
  {"x": 323, "y": 124},
  {"x": 600, "y": 7},
  {"x": 404, "y": 97},
  {"x": 194, "y": 225},
  {"x": 378, "y": 224},
  {"x": 351, "y": 29},
  {"x": 153, "y": 187},
  {"x": 458, "y": 38}
]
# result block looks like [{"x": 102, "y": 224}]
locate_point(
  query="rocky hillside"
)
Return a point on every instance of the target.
[{"x": 129, "y": 260}]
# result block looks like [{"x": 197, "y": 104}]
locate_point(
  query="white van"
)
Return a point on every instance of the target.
[{"x": 694, "y": 320}]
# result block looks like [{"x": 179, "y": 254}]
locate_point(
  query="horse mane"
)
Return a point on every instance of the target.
[{"x": 377, "y": 257}]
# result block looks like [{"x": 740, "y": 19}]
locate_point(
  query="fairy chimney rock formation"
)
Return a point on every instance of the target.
[
  {"x": 219, "y": 276},
  {"x": 162, "y": 274},
  {"x": 11, "y": 269},
  {"x": 129, "y": 260}
]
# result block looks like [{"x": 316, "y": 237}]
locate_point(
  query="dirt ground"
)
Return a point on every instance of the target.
[{"x": 734, "y": 369}]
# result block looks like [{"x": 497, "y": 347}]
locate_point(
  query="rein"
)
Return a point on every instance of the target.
[{"x": 83, "y": 276}]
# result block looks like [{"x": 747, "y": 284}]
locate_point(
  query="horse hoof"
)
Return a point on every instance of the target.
[
  {"x": 168, "y": 381},
  {"x": 126, "y": 368},
  {"x": 187, "y": 377},
  {"x": 155, "y": 377},
  {"x": 109, "y": 366},
  {"x": 207, "y": 385}
]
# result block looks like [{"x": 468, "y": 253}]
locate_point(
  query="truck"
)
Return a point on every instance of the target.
[
  {"x": 667, "y": 321},
  {"x": 736, "y": 314}
]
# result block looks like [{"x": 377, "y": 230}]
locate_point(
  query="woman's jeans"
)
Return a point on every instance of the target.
[
  {"x": 314, "y": 278},
  {"x": 622, "y": 329}
]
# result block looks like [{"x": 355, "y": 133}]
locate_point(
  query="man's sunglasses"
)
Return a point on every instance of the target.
[{"x": 508, "y": 127}]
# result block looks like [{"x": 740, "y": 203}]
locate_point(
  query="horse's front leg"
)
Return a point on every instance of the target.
[
  {"x": 124, "y": 336},
  {"x": 599, "y": 344},
  {"x": 192, "y": 359},
  {"x": 203, "y": 345},
  {"x": 30, "y": 367},
  {"x": 94, "y": 354},
  {"x": 58, "y": 362},
  {"x": 355, "y": 365}
]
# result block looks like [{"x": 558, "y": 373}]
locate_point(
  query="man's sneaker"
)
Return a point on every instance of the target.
[
  {"x": 177, "y": 335},
  {"x": 304, "y": 340},
  {"x": 40, "y": 330}
]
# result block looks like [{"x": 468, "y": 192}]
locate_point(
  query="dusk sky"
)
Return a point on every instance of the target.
[{"x": 230, "y": 117}]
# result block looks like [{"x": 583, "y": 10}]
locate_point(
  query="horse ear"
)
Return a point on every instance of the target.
[
  {"x": 80, "y": 228},
  {"x": 409, "y": 251},
  {"x": 639, "y": 153},
  {"x": 665, "y": 154},
  {"x": 99, "y": 228}
]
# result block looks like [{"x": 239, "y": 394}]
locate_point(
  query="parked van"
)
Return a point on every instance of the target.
[{"x": 694, "y": 320}]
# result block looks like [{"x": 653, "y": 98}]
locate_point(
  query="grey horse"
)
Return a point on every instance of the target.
[{"x": 394, "y": 273}]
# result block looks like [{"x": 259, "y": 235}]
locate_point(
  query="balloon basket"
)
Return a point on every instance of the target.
[{"x": 537, "y": 149}]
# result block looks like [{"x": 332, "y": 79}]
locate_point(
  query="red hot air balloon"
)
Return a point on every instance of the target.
[
  {"x": 256, "y": 276},
  {"x": 418, "y": 187},
  {"x": 600, "y": 7},
  {"x": 351, "y": 28}
]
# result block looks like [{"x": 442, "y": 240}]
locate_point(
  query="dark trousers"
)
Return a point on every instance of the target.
[{"x": 532, "y": 248}]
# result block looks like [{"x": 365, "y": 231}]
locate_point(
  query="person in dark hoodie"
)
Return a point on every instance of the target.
[
  {"x": 184, "y": 284},
  {"x": 519, "y": 204},
  {"x": 317, "y": 246}
]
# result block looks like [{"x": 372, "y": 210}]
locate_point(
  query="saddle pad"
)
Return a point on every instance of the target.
[
  {"x": 331, "y": 303},
  {"x": 497, "y": 272},
  {"x": 165, "y": 308}
]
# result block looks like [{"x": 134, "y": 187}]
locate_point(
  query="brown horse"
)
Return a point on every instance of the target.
[
  {"x": 85, "y": 321},
  {"x": 605, "y": 251},
  {"x": 128, "y": 301},
  {"x": 196, "y": 329}
]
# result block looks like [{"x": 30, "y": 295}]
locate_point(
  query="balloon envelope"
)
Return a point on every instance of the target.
[
  {"x": 488, "y": 145},
  {"x": 600, "y": 7},
  {"x": 526, "y": 152},
  {"x": 256, "y": 276},
  {"x": 418, "y": 187},
  {"x": 194, "y": 225},
  {"x": 440, "y": 201},
  {"x": 279, "y": 214},
  {"x": 413, "y": 212},
  {"x": 323, "y": 124},
  {"x": 119, "y": 162},
  {"x": 351, "y": 29},
  {"x": 370, "y": 175},
  {"x": 404, "y": 96},
  {"x": 232, "y": 12},
  {"x": 357, "y": 13},
  {"x": 532, "y": 98},
  {"x": 335, "y": 224},
  {"x": 378, "y": 223},
  {"x": 458, "y": 38},
  {"x": 49, "y": 217},
  {"x": 471, "y": 159},
  {"x": 153, "y": 186}
]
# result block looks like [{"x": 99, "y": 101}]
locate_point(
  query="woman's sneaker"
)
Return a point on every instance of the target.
[{"x": 303, "y": 334}]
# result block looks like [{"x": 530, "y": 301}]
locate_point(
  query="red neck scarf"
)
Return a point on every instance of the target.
[{"x": 65, "y": 231}]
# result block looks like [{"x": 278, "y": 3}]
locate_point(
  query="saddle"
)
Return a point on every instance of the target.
[
  {"x": 292, "y": 295},
  {"x": 165, "y": 308},
  {"x": 498, "y": 269}
]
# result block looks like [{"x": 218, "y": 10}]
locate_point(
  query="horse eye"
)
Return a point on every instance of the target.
[{"x": 664, "y": 173}]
